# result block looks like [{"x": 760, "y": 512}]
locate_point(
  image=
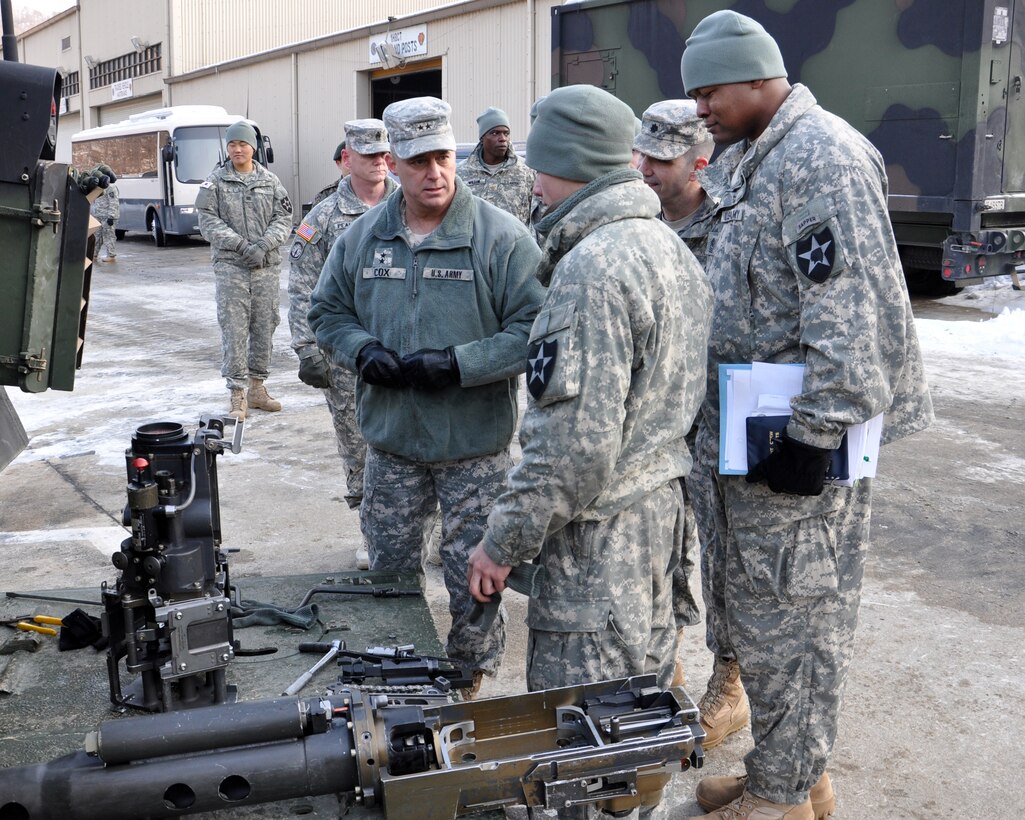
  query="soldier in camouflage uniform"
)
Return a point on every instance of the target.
[
  {"x": 107, "y": 209},
  {"x": 616, "y": 372},
  {"x": 805, "y": 269},
  {"x": 494, "y": 172},
  {"x": 245, "y": 215},
  {"x": 429, "y": 298},
  {"x": 366, "y": 185},
  {"x": 675, "y": 146}
]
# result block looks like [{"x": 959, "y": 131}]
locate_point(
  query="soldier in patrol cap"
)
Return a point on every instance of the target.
[
  {"x": 429, "y": 298},
  {"x": 615, "y": 372},
  {"x": 805, "y": 270},
  {"x": 674, "y": 146},
  {"x": 494, "y": 171},
  {"x": 245, "y": 215},
  {"x": 363, "y": 154}
]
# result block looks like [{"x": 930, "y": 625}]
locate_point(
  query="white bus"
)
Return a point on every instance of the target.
[{"x": 160, "y": 158}]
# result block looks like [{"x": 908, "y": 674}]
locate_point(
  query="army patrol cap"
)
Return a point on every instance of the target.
[
  {"x": 670, "y": 128},
  {"x": 419, "y": 125},
  {"x": 726, "y": 48},
  {"x": 366, "y": 137},
  {"x": 241, "y": 131}
]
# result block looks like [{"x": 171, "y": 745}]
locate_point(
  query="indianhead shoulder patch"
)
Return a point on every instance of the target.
[
  {"x": 540, "y": 365},
  {"x": 816, "y": 254}
]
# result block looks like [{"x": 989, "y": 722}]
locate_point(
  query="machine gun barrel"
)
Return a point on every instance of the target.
[{"x": 614, "y": 743}]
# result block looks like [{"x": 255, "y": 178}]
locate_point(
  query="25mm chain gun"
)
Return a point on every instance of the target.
[{"x": 614, "y": 744}]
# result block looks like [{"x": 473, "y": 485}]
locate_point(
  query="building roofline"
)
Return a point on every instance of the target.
[
  {"x": 60, "y": 15},
  {"x": 327, "y": 40}
]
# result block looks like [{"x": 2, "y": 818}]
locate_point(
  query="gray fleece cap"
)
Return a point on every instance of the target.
[
  {"x": 581, "y": 133},
  {"x": 726, "y": 48},
  {"x": 241, "y": 131}
]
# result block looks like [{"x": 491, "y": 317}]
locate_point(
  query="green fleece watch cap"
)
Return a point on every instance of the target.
[
  {"x": 241, "y": 131},
  {"x": 727, "y": 47},
  {"x": 581, "y": 133},
  {"x": 492, "y": 118}
]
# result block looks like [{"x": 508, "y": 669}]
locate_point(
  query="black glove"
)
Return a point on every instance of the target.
[
  {"x": 429, "y": 369},
  {"x": 78, "y": 629},
  {"x": 110, "y": 221},
  {"x": 379, "y": 365},
  {"x": 793, "y": 467},
  {"x": 99, "y": 177},
  {"x": 313, "y": 371},
  {"x": 253, "y": 255}
]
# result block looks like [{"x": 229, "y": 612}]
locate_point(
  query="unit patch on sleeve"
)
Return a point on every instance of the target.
[
  {"x": 540, "y": 365},
  {"x": 816, "y": 254}
]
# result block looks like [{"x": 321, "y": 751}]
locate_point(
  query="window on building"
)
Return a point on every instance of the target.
[
  {"x": 65, "y": 44},
  {"x": 70, "y": 87},
  {"x": 125, "y": 67}
]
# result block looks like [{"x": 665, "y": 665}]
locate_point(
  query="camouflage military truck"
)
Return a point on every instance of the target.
[
  {"x": 44, "y": 231},
  {"x": 936, "y": 85}
]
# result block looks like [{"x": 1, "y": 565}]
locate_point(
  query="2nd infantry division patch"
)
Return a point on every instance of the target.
[
  {"x": 816, "y": 254},
  {"x": 540, "y": 365}
]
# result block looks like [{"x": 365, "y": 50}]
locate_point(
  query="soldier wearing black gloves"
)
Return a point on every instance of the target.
[{"x": 429, "y": 298}]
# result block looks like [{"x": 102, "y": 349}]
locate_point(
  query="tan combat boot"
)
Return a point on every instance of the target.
[
  {"x": 724, "y": 708},
  {"x": 260, "y": 399},
  {"x": 238, "y": 404},
  {"x": 751, "y": 807},
  {"x": 679, "y": 676},
  {"x": 715, "y": 792}
]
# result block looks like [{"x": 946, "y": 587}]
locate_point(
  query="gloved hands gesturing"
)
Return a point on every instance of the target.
[
  {"x": 430, "y": 369},
  {"x": 379, "y": 365},
  {"x": 793, "y": 467},
  {"x": 313, "y": 371}
]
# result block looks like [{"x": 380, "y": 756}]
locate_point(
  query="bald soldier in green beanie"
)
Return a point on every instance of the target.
[
  {"x": 615, "y": 370},
  {"x": 805, "y": 269}
]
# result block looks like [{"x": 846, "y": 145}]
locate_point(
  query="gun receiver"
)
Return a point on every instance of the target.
[{"x": 614, "y": 743}]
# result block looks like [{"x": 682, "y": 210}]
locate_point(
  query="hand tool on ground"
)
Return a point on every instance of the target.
[
  {"x": 34, "y": 623},
  {"x": 329, "y": 650}
]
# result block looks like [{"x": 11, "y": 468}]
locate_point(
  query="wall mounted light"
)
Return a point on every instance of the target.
[
  {"x": 139, "y": 45},
  {"x": 90, "y": 61}
]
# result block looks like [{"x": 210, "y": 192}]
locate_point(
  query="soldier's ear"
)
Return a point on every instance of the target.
[{"x": 701, "y": 163}]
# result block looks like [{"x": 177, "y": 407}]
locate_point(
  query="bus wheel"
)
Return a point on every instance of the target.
[{"x": 159, "y": 237}]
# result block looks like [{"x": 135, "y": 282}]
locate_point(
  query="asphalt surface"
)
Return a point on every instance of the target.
[{"x": 932, "y": 724}]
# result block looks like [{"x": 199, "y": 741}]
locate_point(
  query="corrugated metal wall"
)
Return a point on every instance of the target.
[
  {"x": 303, "y": 99},
  {"x": 228, "y": 29}
]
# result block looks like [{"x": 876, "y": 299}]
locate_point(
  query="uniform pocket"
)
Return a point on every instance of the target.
[
  {"x": 814, "y": 240},
  {"x": 553, "y": 366},
  {"x": 790, "y": 562}
]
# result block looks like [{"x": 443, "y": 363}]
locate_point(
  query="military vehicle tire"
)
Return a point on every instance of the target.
[{"x": 119, "y": 234}]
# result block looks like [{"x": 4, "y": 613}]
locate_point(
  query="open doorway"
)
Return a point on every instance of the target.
[{"x": 388, "y": 85}]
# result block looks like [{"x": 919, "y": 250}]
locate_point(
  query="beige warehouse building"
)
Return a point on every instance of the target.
[{"x": 305, "y": 69}]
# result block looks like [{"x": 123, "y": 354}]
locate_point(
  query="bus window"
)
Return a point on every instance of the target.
[
  {"x": 134, "y": 155},
  {"x": 200, "y": 149}
]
